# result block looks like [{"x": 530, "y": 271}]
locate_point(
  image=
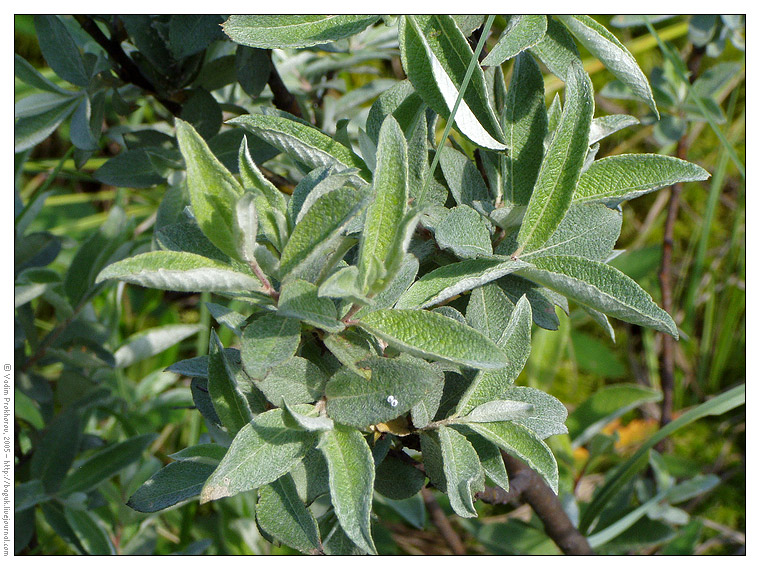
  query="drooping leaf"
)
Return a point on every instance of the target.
[
  {"x": 172, "y": 484},
  {"x": 282, "y": 514},
  {"x": 436, "y": 55},
  {"x": 268, "y": 341},
  {"x": 431, "y": 335},
  {"x": 615, "y": 56},
  {"x": 292, "y": 30},
  {"x": 562, "y": 164},
  {"x": 453, "y": 464},
  {"x": 393, "y": 387},
  {"x": 524, "y": 444},
  {"x": 490, "y": 385},
  {"x": 352, "y": 477},
  {"x": 261, "y": 452},
  {"x": 521, "y": 33},
  {"x": 213, "y": 190},
  {"x": 600, "y": 287},
  {"x": 449, "y": 280},
  {"x": 229, "y": 402},
  {"x": 525, "y": 127},
  {"x": 176, "y": 271},
  {"x": 614, "y": 179},
  {"x": 301, "y": 141},
  {"x": 385, "y": 212}
]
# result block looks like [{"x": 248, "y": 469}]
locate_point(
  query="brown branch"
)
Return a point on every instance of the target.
[
  {"x": 283, "y": 99},
  {"x": 534, "y": 491},
  {"x": 442, "y": 522}
]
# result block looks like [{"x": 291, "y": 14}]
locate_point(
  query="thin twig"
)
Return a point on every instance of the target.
[
  {"x": 283, "y": 98},
  {"x": 442, "y": 522},
  {"x": 547, "y": 506}
]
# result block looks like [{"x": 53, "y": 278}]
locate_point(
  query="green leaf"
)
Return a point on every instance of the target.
[
  {"x": 151, "y": 342},
  {"x": 301, "y": 141},
  {"x": 431, "y": 335},
  {"x": 557, "y": 49},
  {"x": 282, "y": 514},
  {"x": 192, "y": 33},
  {"x": 246, "y": 227},
  {"x": 105, "y": 463},
  {"x": 562, "y": 164},
  {"x": 614, "y": 179},
  {"x": 619, "y": 476},
  {"x": 308, "y": 422},
  {"x": 488, "y": 311},
  {"x": 489, "y": 455},
  {"x": 548, "y": 415},
  {"x": 587, "y": 230},
  {"x": 386, "y": 211},
  {"x": 450, "y": 280},
  {"x": 229, "y": 402},
  {"x": 515, "y": 342},
  {"x": 605, "y": 405},
  {"x": 28, "y": 494},
  {"x": 300, "y": 300},
  {"x": 435, "y": 55},
  {"x": 24, "y": 71},
  {"x": 525, "y": 127},
  {"x": 403, "y": 102},
  {"x": 321, "y": 224},
  {"x": 344, "y": 284},
  {"x": 393, "y": 387},
  {"x": 455, "y": 461},
  {"x": 262, "y": 452},
  {"x": 268, "y": 341},
  {"x": 601, "y": 287},
  {"x": 269, "y": 202},
  {"x": 311, "y": 476},
  {"x": 213, "y": 190},
  {"x": 297, "y": 380},
  {"x": 524, "y": 444},
  {"x": 56, "y": 450},
  {"x": 90, "y": 532},
  {"x": 32, "y": 130},
  {"x": 521, "y": 33},
  {"x": 616, "y": 58},
  {"x": 211, "y": 453},
  {"x": 24, "y": 408},
  {"x": 498, "y": 411},
  {"x": 60, "y": 51},
  {"x": 464, "y": 233},
  {"x": 227, "y": 317},
  {"x": 294, "y": 31},
  {"x": 397, "y": 480},
  {"x": 172, "y": 484},
  {"x": 132, "y": 169},
  {"x": 602, "y": 127},
  {"x": 352, "y": 477},
  {"x": 464, "y": 180}
]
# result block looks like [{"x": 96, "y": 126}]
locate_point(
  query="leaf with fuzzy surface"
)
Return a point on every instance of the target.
[
  {"x": 301, "y": 141},
  {"x": 600, "y": 287},
  {"x": 294, "y": 31},
  {"x": 602, "y": 127},
  {"x": 431, "y": 335},
  {"x": 395, "y": 385},
  {"x": 152, "y": 341},
  {"x": 524, "y": 444},
  {"x": 613, "y": 54},
  {"x": 435, "y": 55},
  {"x": 177, "y": 271},
  {"x": 172, "y": 484},
  {"x": 297, "y": 380},
  {"x": 464, "y": 233},
  {"x": 352, "y": 477},
  {"x": 547, "y": 416},
  {"x": 282, "y": 515},
  {"x": 213, "y": 190},
  {"x": 384, "y": 214},
  {"x": 521, "y": 33},
  {"x": 445, "y": 282},
  {"x": 515, "y": 342},
  {"x": 299, "y": 299},
  {"x": 229, "y": 402},
  {"x": 261, "y": 452},
  {"x": 464, "y": 180},
  {"x": 557, "y": 49},
  {"x": 488, "y": 311},
  {"x": 562, "y": 164},
  {"x": 268, "y": 341},
  {"x": 614, "y": 179}
]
